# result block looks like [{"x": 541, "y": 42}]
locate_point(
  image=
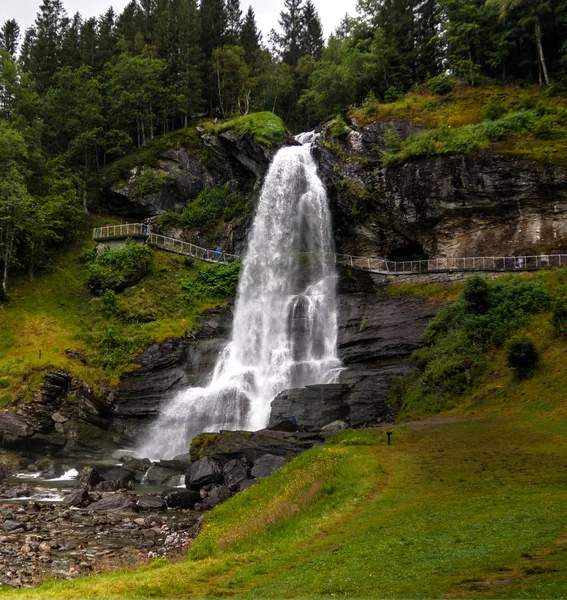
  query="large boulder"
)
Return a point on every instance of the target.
[
  {"x": 115, "y": 502},
  {"x": 215, "y": 496},
  {"x": 234, "y": 471},
  {"x": 312, "y": 406},
  {"x": 247, "y": 445},
  {"x": 182, "y": 499},
  {"x": 203, "y": 472},
  {"x": 121, "y": 477},
  {"x": 77, "y": 498},
  {"x": 266, "y": 465}
]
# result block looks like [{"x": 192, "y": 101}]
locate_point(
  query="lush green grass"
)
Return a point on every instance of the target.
[
  {"x": 524, "y": 122},
  {"x": 54, "y": 312},
  {"x": 263, "y": 127},
  {"x": 451, "y": 509}
]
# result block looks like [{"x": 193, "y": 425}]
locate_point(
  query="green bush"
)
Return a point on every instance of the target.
[
  {"x": 338, "y": 128},
  {"x": 212, "y": 281},
  {"x": 210, "y": 209},
  {"x": 263, "y": 127},
  {"x": 523, "y": 356},
  {"x": 150, "y": 182},
  {"x": 559, "y": 318},
  {"x": 495, "y": 108},
  {"x": 117, "y": 269},
  {"x": 484, "y": 317},
  {"x": 110, "y": 305},
  {"x": 441, "y": 85}
]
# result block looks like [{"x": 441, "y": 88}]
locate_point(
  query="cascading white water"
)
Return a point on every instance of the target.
[{"x": 285, "y": 323}]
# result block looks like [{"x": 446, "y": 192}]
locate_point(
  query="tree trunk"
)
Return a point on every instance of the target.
[{"x": 540, "y": 51}]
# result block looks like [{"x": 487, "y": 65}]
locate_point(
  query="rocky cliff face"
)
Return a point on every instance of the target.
[{"x": 478, "y": 205}]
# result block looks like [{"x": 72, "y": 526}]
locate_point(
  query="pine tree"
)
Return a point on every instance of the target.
[
  {"x": 289, "y": 41},
  {"x": 233, "y": 21},
  {"x": 214, "y": 22},
  {"x": 70, "y": 53},
  {"x": 10, "y": 37},
  {"x": 106, "y": 39},
  {"x": 312, "y": 42},
  {"x": 46, "y": 44},
  {"x": 250, "y": 37}
]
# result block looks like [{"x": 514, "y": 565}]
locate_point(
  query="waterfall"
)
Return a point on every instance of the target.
[{"x": 285, "y": 323}]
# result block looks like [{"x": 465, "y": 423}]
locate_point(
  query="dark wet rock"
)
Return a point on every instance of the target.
[
  {"x": 216, "y": 496},
  {"x": 151, "y": 503},
  {"x": 166, "y": 368},
  {"x": 182, "y": 499},
  {"x": 138, "y": 466},
  {"x": 187, "y": 178},
  {"x": 3, "y": 472},
  {"x": 247, "y": 445},
  {"x": 11, "y": 525},
  {"x": 202, "y": 472},
  {"x": 77, "y": 498},
  {"x": 245, "y": 484},
  {"x": 285, "y": 425},
  {"x": 123, "y": 478},
  {"x": 53, "y": 470},
  {"x": 110, "y": 486},
  {"x": 266, "y": 465},
  {"x": 158, "y": 475},
  {"x": 234, "y": 471},
  {"x": 480, "y": 204},
  {"x": 312, "y": 406},
  {"x": 89, "y": 477},
  {"x": 114, "y": 502}
]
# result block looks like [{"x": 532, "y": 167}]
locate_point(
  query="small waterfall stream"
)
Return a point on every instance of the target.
[{"x": 285, "y": 323}]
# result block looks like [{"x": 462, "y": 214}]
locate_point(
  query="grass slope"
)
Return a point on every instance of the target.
[
  {"x": 472, "y": 504},
  {"x": 54, "y": 312},
  {"x": 537, "y": 129}
]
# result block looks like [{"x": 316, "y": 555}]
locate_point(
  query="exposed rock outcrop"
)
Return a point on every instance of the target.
[{"x": 477, "y": 205}]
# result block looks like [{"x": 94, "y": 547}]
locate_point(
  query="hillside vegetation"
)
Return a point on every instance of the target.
[
  {"x": 470, "y": 503},
  {"x": 54, "y": 321},
  {"x": 527, "y": 122}
]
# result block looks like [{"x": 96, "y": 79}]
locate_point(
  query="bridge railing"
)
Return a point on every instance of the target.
[
  {"x": 365, "y": 263},
  {"x": 187, "y": 249},
  {"x": 120, "y": 231},
  {"x": 482, "y": 263}
]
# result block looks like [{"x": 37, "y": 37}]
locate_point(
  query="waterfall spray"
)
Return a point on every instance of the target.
[{"x": 285, "y": 322}]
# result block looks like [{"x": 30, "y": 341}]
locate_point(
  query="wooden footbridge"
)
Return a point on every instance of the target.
[{"x": 380, "y": 266}]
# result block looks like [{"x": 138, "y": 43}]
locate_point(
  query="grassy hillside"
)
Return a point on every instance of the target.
[
  {"x": 55, "y": 313},
  {"x": 472, "y": 503},
  {"x": 521, "y": 121}
]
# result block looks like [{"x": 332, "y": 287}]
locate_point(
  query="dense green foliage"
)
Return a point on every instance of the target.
[
  {"x": 264, "y": 127},
  {"x": 483, "y": 318},
  {"x": 543, "y": 123},
  {"x": 523, "y": 356},
  {"x": 211, "y": 208},
  {"x": 559, "y": 317},
  {"x": 117, "y": 268},
  {"x": 214, "y": 281}
]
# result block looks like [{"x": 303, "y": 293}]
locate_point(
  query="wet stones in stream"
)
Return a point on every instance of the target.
[{"x": 39, "y": 541}]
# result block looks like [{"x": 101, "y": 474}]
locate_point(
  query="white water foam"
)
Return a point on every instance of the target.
[{"x": 285, "y": 323}]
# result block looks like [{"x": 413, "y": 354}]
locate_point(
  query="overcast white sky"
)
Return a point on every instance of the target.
[{"x": 267, "y": 11}]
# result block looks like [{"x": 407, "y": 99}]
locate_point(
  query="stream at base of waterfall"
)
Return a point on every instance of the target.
[{"x": 285, "y": 322}]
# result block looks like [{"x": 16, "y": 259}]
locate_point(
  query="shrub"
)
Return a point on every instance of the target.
[
  {"x": 216, "y": 281},
  {"x": 495, "y": 108},
  {"x": 476, "y": 296},
  {"x": 484, "y": 317},
  {"x": 523, "y": 356},
  {"x": 117, "y": 269},
  {"x": 262, "y": 127},
  {"x": 211, "y": 208},
  {"x": 392, "y": 141},
  {"x": 110, "y": 305},
  {"x": 150, "y": 182},
  {"x": 559, "y": 318},
  {"x": 441, "y": 85},
  {"x": 339, "y": 129}
]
